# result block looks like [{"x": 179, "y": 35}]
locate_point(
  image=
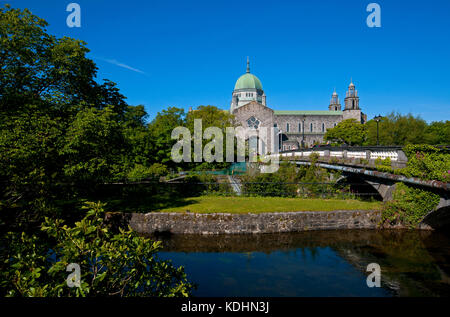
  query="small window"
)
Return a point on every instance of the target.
[
  {"x": 323, "y": 127},
  {"x": 311, "y": 127},
  {"x": 287, "y": 127},
  {"x": 299, "y": 127}
]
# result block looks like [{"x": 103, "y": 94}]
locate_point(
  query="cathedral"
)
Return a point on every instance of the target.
[{"x": 293, "y": 129}]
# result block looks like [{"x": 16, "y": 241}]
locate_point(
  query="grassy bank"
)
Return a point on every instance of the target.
[{"x": 218, "y": 204}]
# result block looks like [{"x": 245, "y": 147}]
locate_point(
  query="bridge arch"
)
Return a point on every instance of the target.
[
  {"x": 439, "y": 217},
  {"x": 362, "y": 187}
]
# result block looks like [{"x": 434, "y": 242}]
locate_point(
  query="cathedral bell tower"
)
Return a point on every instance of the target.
[
  {"x": 351, "y": 98},
  {"x": 352, "y": 109},
  {"x": 335, "y": 105}
]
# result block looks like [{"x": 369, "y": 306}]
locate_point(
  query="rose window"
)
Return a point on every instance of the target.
[{"x": 253, "y": 123}]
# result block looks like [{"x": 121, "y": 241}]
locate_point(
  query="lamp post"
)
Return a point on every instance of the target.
[{"x": 377, "y": 119}]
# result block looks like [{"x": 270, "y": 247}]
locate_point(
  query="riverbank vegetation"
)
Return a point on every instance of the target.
[
  {"x": 292, "y": 181},
  {"x": 112, "y": 262},
  {"x": 425, "y": 162},
  {"x": 409, "y": 204}
]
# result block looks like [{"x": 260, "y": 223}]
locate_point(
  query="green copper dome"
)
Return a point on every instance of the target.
[{"x": 248, "y": 81}]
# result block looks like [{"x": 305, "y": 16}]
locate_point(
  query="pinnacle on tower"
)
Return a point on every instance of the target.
[{"x": 248, "y": 65}]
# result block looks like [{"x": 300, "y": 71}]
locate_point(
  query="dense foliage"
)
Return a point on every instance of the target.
[
  {"x": 349, "y": 132},
  {"x": 111, "y": 263},
  {"x": 393, "y": 129},
  {"x": 292, "y": 181},
  {"x": 427, "y": 162},
  {"x": 408, "y": 206},
  {"x": 397, "y": 129},
  {"x": 62, "y": 136}
]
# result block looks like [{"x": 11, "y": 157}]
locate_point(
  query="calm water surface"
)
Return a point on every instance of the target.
[{"x": 315, "y": 263}]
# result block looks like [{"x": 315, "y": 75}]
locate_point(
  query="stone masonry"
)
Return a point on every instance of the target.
[{"x": 221, "y": 223}]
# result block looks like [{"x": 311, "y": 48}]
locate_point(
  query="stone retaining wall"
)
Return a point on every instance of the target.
[{"x": 221, "y": 223}]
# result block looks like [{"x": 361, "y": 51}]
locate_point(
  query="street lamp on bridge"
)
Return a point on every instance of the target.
[{"x": 378, "y": 119}]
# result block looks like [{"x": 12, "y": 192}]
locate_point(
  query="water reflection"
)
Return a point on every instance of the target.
[{"x": 315, "y": 263}]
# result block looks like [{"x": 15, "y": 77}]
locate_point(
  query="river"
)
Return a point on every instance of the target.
[{"x": 314, "y": 263}]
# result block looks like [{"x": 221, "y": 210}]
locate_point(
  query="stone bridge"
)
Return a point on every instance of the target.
[{"x": 371, "y": 181}]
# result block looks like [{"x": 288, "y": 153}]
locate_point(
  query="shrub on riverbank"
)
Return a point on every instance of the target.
[
  {"x": 278, "y": 184},
  {"x": 111, "y": 263},
  {"x": 293, "y": 181},
  {"x": 408, "y": 206},
  {"x": 427, "y": 162}
]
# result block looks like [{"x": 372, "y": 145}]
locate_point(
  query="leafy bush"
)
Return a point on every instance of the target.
[
  {"x": 383, "y": 162},
  {"x": 112, "y": 263},
  {"x": 276, "y": 184},
  {"x": 290, "y": 181},
  {"x": 141, "y": 172},
  {"x": 408, "y": 206},
  {"x": 427, "y": 162}
]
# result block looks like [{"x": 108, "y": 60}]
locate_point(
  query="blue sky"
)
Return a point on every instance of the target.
[{"x": 190, "y": 53}]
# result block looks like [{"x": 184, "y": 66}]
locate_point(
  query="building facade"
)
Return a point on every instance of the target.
[{"x": 293, "y": 129}]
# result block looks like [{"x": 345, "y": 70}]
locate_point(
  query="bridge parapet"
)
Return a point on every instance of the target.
[{"x": 395, "y": 154}]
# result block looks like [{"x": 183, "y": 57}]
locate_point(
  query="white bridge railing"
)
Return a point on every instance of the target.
[{"x": 395, "y": 155}]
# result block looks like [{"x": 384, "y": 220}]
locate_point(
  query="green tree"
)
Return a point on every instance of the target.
[
  {"x": 397, "y": 129},
  {"x": 348, "y": 132},
  {"x": 438, "y": 133},
  {"x": 40, "y": 69},
  {"x": 139, "y": 140},
  {"x": 211, "y": 116},
  {"x": 47, "y": 89},
  {"x": 161, "y": 132},
  {"x": 93, "y": 146},
  {"x": 29, "y": 167}
]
